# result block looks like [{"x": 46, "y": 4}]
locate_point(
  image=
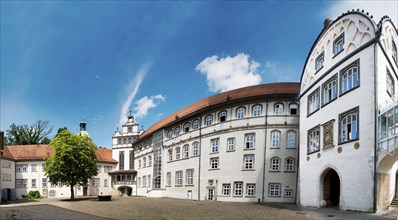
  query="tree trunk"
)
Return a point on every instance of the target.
[{"x": 72, "y": 193}]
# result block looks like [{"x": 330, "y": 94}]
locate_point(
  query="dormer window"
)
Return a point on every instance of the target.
[
  {"x": 338, "y": 45},
  {"x": 129, "y": 129},
  {"x": 319, "y": 62}
]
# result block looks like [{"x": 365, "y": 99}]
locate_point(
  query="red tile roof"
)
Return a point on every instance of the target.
[
  {"x": 39, "y": 152},
  {"x": 7, "y": 154},
  {"x": 264, "y": 90}
]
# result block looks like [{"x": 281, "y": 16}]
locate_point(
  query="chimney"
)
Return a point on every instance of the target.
[{"x": 327, "y": 23}]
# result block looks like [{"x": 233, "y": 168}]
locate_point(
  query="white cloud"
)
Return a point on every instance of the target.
[
  {"x": 376, "y": 8},
  {"x": 229, "y": 73},
  {"x": 135, "y": 85},
  {"x": 145, "y": 103}
]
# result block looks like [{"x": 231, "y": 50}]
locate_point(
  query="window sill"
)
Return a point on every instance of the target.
[
  {"x": 230, "y": 151},
  {"x": 313, "y": 152},
  {"x": 249, "y": 148},
  {"x": 189, "y": 185},
  {"x": 178, "y": 186},
  {"x": 275, "y": 171},
  {"x": 335, "y": 55},
  {"x": 317, "y": 70},
  {"x": 349, "y": 141},
  {"x": 330, "y": 101},
  {"x": 214, "y": 169},
  {"x": 288, "y": 171},
  {"x": 214, "y": 152},
  {"x": 248, "y": 170},
  {"x": 273, "y": 196},
  {"x": 348, "y": 91},
  {"x": 250, "y": 196},
  {"x": 309, "y": 114},
  {"x": 237, "y": 196},
  {"x": 272, "y": 148}
]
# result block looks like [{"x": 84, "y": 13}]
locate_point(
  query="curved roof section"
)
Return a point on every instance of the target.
[
  {"x": 325, "y": 29},
  {"x": 271, "y": 90}
]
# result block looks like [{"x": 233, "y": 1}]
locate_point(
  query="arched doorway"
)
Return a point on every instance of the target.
[{"x": 331, "y": 188}]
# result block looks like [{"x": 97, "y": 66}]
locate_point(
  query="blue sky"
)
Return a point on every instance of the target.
[{"x": 64, "y": 60}]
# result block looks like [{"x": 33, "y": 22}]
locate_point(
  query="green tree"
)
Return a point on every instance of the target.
[
  {"x": 59, "y": 130},
  {"x": 25, "y": 134},
  {"x": 74, "y": 161}
]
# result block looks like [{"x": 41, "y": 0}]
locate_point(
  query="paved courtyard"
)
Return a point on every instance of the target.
[{"x": 166, "y": 208}]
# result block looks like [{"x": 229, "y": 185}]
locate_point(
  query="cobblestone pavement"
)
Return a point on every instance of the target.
[{"x": 167, "y": 208}]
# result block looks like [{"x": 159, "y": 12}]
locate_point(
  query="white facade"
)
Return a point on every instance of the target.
[{"x": 342, "y": 86}]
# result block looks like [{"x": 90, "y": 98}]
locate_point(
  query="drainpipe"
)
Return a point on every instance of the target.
[
  {"x": 298, "y": 155},
  {"x": 265, "y": 149},
  {"x": 375, "y": 125},
  {"x": 200, "y": 154}
]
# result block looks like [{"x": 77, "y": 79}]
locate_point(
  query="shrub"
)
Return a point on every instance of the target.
[{"x": 35, "y": 194}]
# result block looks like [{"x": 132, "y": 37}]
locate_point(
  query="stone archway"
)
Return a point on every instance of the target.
[{"x": 331, "y": 188}]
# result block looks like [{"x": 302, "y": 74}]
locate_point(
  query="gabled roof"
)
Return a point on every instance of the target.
[
  {"x": 105, "y": 155},
  {"x": 7, "y": 155}
]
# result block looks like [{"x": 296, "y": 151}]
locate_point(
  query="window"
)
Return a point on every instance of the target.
[
  {"x": 249, "y": 141},
  {"x": 222, "y": 116},
  {"x": 119, "y": 141},
  {"x": 21, "y": 183},
  {"x": 177, "y": 131},
  {"x": 186, "y": 151},
  {"x": 189, "y": 175},
  {"x": 250, "y": 189},
  {"x": 195, "y": 149},
  {"x": 208, "y": 120},
  {"x": 349, "y": 125},
  {"x": 168, "y": 176},
  {"x": 129, "y": 129},
  {"x": 195, "y": 124},
  {"x": 248, "y": 162},
  {"x": 226, "y": 189},
  {"x": 313, "y": 102},
  {"x": 34, "y": 167},
  {"x": 144, "y": 181},
  {"x": 107, "y": 169},
  {"x": 149, "y": 160},
  {"x": 99, "y": 168},
  {"x": 170, "y": 154},
  {"x": 390, "y": 84},
  {"x": 240, "y": 112},
  {"x": 33, "y": 183},
  {"x": 291, "y": 139},
  {"x": 276, "y": 139},
  {"x": 139, "y": 182},
  {"x": 329, "y": 91},
  {"x": 21, "y": 167},
  {"x": 105, "y": 182},
  {"x": 289, "y": 164},
  {"x": 169, "y": 134},
  {"x": 124, "y": 140},
  {"x": 139, "y": 164},
  {"x": 149, "y": 180},
  {"x": 179, "y": 178},
  {"x": 178, "y": 153},
  {"x": 288, "y": 193},
  {"x": 186, "y": 127},
  {"x": 214, "y": 163},
  {"x": 214, "y": 145},
  {"x": 313, "y": 140},
  {"x": 275, "y": 163},
  {"x": 144, "y": 162},
  {"x": 131, "y": 160},
  {"x": 43, "y": 167},
  {"x": 121, "y": 160},
  {"x": 394, "y": 52},
  {"x": 44, "y": 182},
  {"x": 274, "y": 189},
  {"x": 349, "y": 78},
  {"x": 238, "y": 188},
  {"x": 338, "y": 45},
  {"x": 278, "y": 109},
  {"x": 96, "y": 182},
  {"x": 319, "y": 62},
  {"x": 256, "y": 110},
  {"x": 52, "y": 193},
  {"x": 293, "y": 109},
  {"x": 231, "y": 144}
]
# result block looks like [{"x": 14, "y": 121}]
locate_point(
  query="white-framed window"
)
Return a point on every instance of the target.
[
  {"x": 34, "y": 167},
  {"x": 139, "y": 164},
  {"x": 275, "y": 164},
  {"x": 291, "y": 139},
  {"x": 209, "y": 120},
  {"x": 168, "y": 176},
  {"x": 349, "y": 125},
  {"x": 329, "y": 91},
  {"x": 170, "y": 154},
  {"x": 319, "y": 62},
  {"x": 44, "y": 182},
  {"x": 144, "y": 181},
  {"x": 177, "y": 131},
  {"x": 290, "y": 164},
  {"x": 278, "y": 109},
  {"x": 139, "y": 182},
  {"x": 313, "y": 140},
  {"x": 52, "y": 193},
  {"x": 21, "y": 167},
  {"x": 349, "y": 78},
  {"x": 338, "y": 44},
  {"x": 215, "y": 143},
  {"x": 248, "y": 162},
  {"x": 257, "y": 110},
  {"x": 274, "y": 189},
  {"x": 189, "y": 175},
  {"x": 185, "y": 149},
  {"x": 249, "y": 141},
  {"x": 96, "y": 182},
  {"x": 34, "y": 183},
  {"x": 293, "y": 107},
  {"x": 276, "y": 139},
  {"x": 121, "y": 160},
  {"x": 390, "y": 84},
  {"x": 226, "y": 189},
  {"x": 20, "y": 183},
  {"x": 250, "y": 189},
  {"x": 186, "y": 127},
  {"x": 240, "y": 112},
  {"x": 105, "y": 182},
  {"x": 43, "y": 167},
  {"x": 238, "y": 188},
  {"x": 222, "y": 116},
  {"x": 195, "y": 149},
  {"x": 195, "y": 124},
  {"x": 178, "y": 153},
  {"x": 313, "y": 102},
  {"x": 288, "y": 193},
  {"x": 144, "y": 162},
  {"x": 107, "y": 169},
  {"x": 129, "y": 129},
  {"x": 119, "y": 141},
  {"x": 170, "y": 134},
  {"x": 179, "y": 178},
  {"x": 231, "y": 144},
  {"x": 149, "y": 160},
  {"x": 124, "y": 141},
  {"x": 99, "y": 168},
  {"x": 214, "y": 163}
]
